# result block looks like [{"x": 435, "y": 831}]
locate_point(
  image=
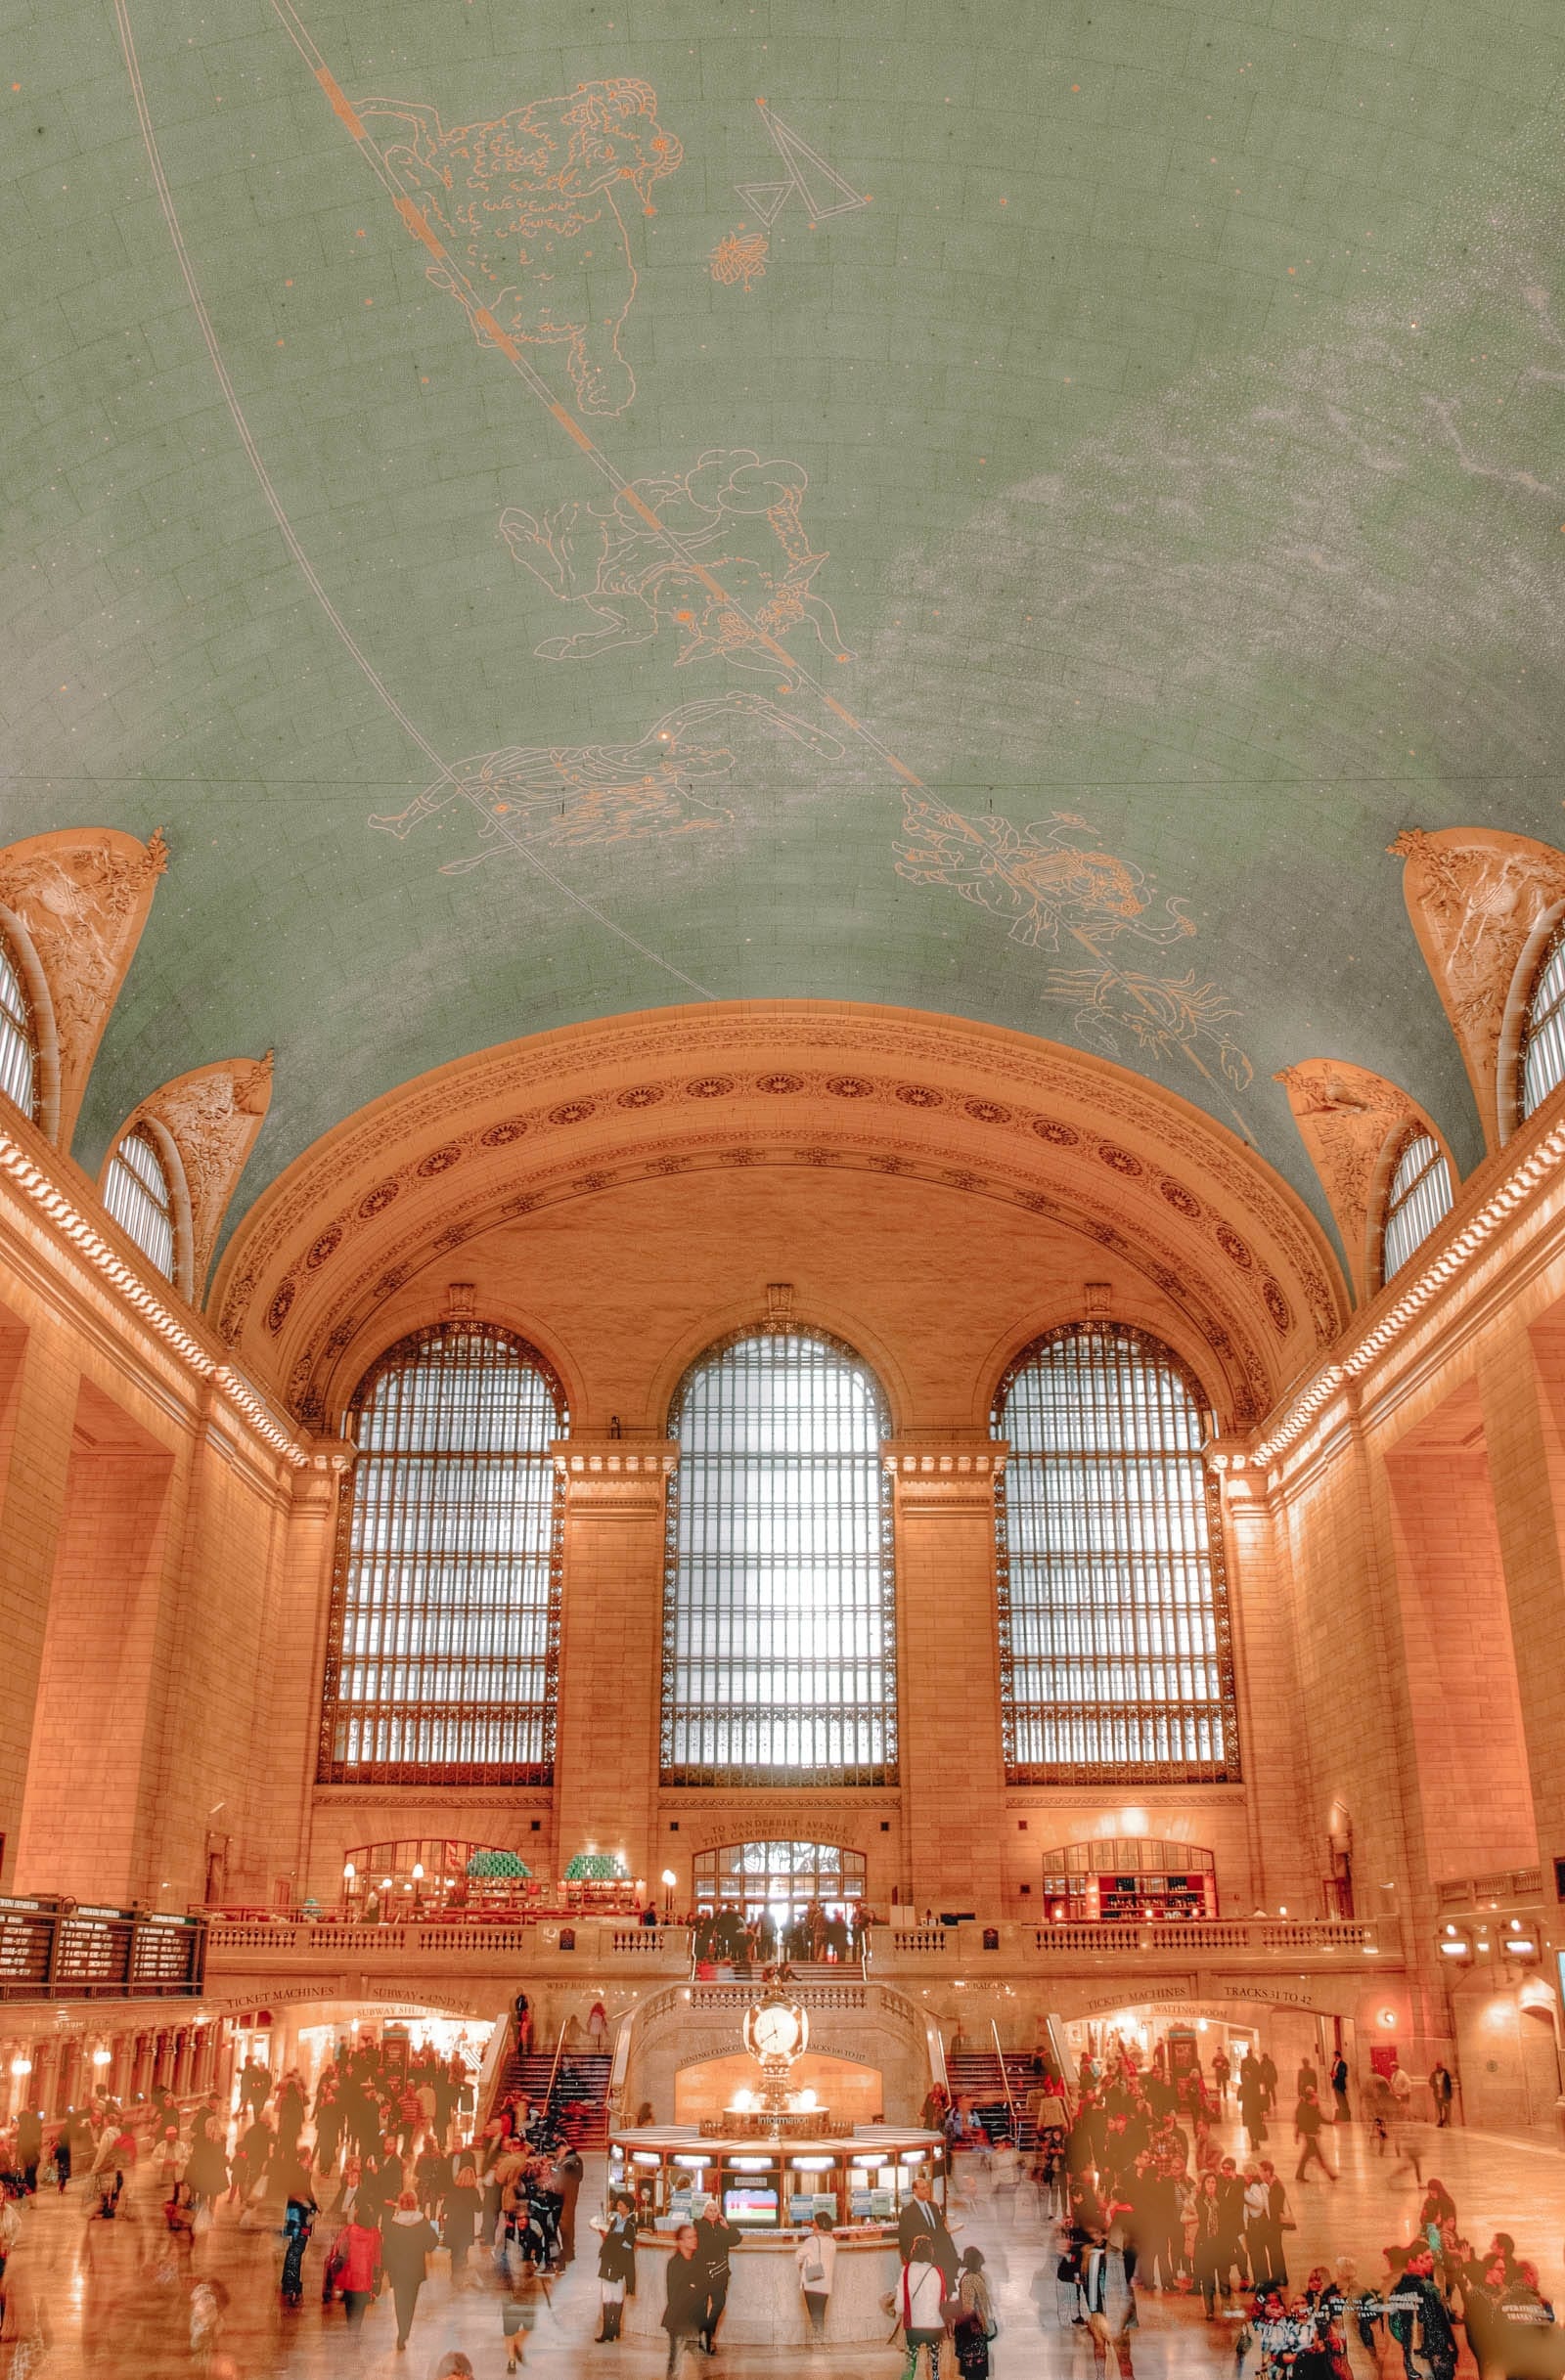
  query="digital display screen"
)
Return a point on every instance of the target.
[{"x": 742, "y": 2202}]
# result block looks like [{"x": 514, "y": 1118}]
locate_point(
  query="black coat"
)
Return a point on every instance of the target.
[
  {"x": 685, "y": 2307},
  {"x": 616, "y": 2258},
  {"x": 714, "y": 2242},
  {"x": 919, "y": 2222}
]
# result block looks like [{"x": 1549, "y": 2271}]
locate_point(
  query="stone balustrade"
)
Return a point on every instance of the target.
[{"x": 967, "y": 1947}]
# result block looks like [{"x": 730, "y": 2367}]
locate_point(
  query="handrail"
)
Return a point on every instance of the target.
[
  {"x": 559, "y": 2051},
  {"x": 1004, "y": 2079}
]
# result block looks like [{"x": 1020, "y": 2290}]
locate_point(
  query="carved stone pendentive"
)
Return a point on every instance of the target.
[
  {"x": 1346, "y": 1117},
  {"x": 1476, "y": 896},
  {"x": 81, "y": 897},
  {"x": 213, "y": 1116}
]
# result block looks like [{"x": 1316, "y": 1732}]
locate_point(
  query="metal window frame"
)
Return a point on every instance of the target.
[
  {"x": 1226, "y": 1770},
  {"x": 19, "y": 1037},
  {"x": 1544, "y": 1030},
  {"x": 1433, "y": 1178},
  {"x": 708, "y": 1878},
  {"x": 333, "y": 1769},
  {"x": 141, "y": 1199},
  {"x": 671, "y": 1712}
]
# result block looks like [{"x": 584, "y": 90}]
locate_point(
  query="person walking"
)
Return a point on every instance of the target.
[
  {"x": 685, "y": 2303},
  {"x": 569, "y": 2171},
  {"x": 920, "y": 2302},
  {"x": 1309, "y": 2121},
  {"x": 816, "y": 2259},
  {"x": 1221, "y": 2070},
  {"x": 617, "y": 2268},
  {"x": 29, "y": 2147},
  {"x": 464, "y": 2210},
  {"x": 299, "y": 2221},
  {"x": 715, "y": 2241},
  {"x": 1252, "y": 2102},
  {"x": 518, "y": 2308},
  {"x": 405, "y": 2246},
  {"x": 1108, "y": 2293},
  {"x": 354, "y": 2268}
]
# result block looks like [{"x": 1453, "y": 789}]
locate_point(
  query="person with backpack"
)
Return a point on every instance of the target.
[{"x": 816, "y": 2259}]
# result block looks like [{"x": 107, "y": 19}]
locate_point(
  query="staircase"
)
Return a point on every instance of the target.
[
  {"x": 581, "y": 2106},
  {"x": 805, "y": 1970},
  {"x": 976, "y": 2075}
]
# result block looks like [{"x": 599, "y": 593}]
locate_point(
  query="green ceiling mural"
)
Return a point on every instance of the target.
[{"x": 567, "y": 509}]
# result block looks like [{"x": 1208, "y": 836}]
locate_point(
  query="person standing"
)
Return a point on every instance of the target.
[
  {"x": 922, "y": 2219},
  {"x": 816, "y": 2259},
  {"x": 1221, "y": 2070},
  {"x": 686, "y": 2300},
  {"x": 1339, "y": 2087},
  {"x": 1440, "y": 2091},
  {"x": 920, "y": 2304},
  {"x": 1309, "y": 2121},
  {"x": 975, "y": 2325},
  {"x": 29, "y": 2147},
  {"x": 715, "y": 2241},
  {"x": 405, "y": 2246},
  {"x": 299, "y": 2221},
  {"x": 567, "y": 2189},
  {"x": 1269, "y": 2079},
  {"x": 1252, "y": 2102},
  {"x": 617, "y": 2268}
]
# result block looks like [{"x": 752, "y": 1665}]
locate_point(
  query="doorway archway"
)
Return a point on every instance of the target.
[{"x": 783, "y": 1878}]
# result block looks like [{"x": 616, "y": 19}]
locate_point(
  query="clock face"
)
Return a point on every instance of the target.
[{"x": 777, "y": 2031}]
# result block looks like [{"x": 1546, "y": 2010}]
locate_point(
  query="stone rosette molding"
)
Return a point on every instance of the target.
[{"x": 993, "y": 1115}]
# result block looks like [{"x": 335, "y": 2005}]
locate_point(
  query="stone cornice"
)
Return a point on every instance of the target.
[
  {"x": 1487, "y": 1202},
  {"x": 94, "y": 1243}
]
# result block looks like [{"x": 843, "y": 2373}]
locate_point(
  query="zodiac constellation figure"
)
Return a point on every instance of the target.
[
  {"x": 740, "y": 256},
  {"x": 530, "y": 203},
  {"x": 1045, "y": 880},
  {"x": 606, "y": 793},
  {"x": 807, "y": 176},
  {"x": 732, "y": 515},
  {"x": 1055, "y": 883}
]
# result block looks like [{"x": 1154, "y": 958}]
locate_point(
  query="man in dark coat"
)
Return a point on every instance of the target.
[
  {"x": 715, "y": 2242},
  {"x": 922, "y": 2219},
  {"x": 685, "y": 2306}
]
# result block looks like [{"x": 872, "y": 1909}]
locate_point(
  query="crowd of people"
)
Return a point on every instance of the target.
[{"x": 829, "y": 1935}]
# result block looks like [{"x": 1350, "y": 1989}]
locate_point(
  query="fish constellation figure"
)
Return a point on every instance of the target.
[
  {"x": 529, "y": 206},
  {"x": 606, "y": 793},
  {"x": 737, "y": 520}
]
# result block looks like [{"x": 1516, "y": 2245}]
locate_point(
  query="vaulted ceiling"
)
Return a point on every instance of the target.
[{"x": 567, "y": 510}]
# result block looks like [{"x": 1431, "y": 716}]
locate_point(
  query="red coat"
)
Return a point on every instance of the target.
[{"x": 356, "y": 2250}]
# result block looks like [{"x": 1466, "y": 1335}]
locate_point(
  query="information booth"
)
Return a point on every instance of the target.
[{"x": 772, "y": 2190}]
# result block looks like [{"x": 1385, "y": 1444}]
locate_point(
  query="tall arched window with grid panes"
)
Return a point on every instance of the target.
[
  {"x": 139, "y": 1193},
  {"x": 19, "y": 1037},
  {"x": 443, "y": 1640},
  {"x": 1116, "y": 1659},
  {"x": 779, "y": 1614},
  {"x": 1417, "y": 1200},
  {"x": 1544, "y": 1030}
]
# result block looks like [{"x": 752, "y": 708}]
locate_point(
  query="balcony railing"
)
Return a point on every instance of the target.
[
  {"x": 55, "y": 1949},
  {"x": 259, "y": 1942},
  {"x": 968, "y": 1946}
]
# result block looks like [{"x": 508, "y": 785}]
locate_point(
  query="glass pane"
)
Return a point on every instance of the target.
[
  {"x": 1543, "y": 1043},
  {"x": 137, "y": 1195},
  {"x": 18, "y": 1049},
  {"x": 445, "y": 1617},
  {"x": 778, "y": 1631},
  {"x": 1113, "y": 1619},
  {"x": 1419, "y": 1198}
]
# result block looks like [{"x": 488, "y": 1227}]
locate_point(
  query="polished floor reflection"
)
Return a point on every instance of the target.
[{"x": 112, "y": 2299}]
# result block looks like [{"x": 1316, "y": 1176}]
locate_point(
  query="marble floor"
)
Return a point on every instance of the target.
[{"x": 109, "y": 2304}]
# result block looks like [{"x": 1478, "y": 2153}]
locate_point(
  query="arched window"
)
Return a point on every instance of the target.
[
  {"x": 140, "y": 1196},
  {"x": 779, "y": 1611},
  {"x": 1543, "y": 1032},
  {"x": 1114, "y": 1646},
  {"x": 19, "y": 1039},
  {"x": 443, "y": 1641},
  {"x": 1419, "y": 1198}
]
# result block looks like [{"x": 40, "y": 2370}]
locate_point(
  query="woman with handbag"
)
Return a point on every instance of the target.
[
  {"x": 816, "y": 2259},
  {"x": 617, "y": 2268},
  {"x": 975, "y": 2325},
  {"x": 354, "y": 2268}
]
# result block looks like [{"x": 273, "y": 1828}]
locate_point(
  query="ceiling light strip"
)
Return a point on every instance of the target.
[
  {"x": 68, "y": 1219},
  {"x": 1458, "y": 1251}
]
